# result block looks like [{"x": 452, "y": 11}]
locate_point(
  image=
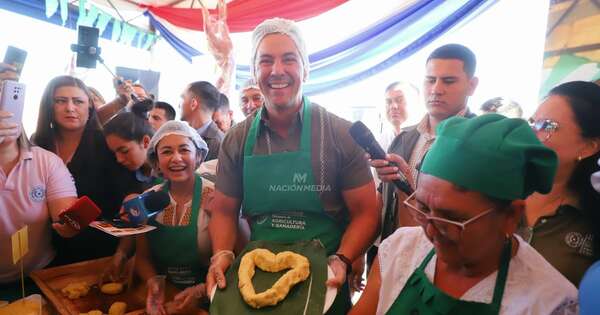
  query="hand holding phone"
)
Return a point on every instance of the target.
[
  {"x": 8, "y": 72},
  {"x": 8, "y": 130},
  {"x": 12, "y": 100},
  {"x": 80, "y": 214}
]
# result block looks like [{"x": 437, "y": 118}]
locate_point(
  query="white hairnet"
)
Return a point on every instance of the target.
[
  {"x": 279, "y": 26},
  {"x": 249, "y": 84},
  {"x": 176, "y": 127}
]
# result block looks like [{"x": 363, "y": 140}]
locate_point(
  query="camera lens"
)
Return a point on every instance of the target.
[{"x": 15, "y": 97}]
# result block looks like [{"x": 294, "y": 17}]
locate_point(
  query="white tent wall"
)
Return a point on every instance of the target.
[
  {"x": 49, "y": 55},
  {"x": 508, "y": 40}
]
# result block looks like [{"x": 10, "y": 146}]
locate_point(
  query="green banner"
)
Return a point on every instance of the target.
[{"x": 565, "y": 65}]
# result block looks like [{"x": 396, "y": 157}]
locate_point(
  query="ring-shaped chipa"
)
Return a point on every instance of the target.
[{"x": 267, "y": 261}]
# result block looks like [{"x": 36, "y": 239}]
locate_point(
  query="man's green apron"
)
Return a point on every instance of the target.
[
  {"x": 174, "y": 249},
  {"x": 420, "y": 296},
  {"x": 281, "y": 196}
]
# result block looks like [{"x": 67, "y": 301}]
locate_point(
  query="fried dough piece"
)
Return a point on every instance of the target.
[
  {"x": 117, "y": 308},
  {"x": 112, "y": 288},
  {"x": 76, "y": 290},
  {"x": 267, "y": 261}
]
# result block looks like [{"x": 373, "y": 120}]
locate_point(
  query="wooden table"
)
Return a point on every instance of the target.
[{"x": 52, "y": 280}]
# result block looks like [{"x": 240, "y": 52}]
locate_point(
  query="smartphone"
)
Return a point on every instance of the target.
[
  {"x": 16, "y": 57},
  {"x": 80, "y": 214},
  {"x": 13, "y": 100},
  {"x": 87, "y": 46}
]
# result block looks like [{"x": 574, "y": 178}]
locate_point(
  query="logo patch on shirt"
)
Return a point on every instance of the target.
[
  {"x": 37, "y": 193},
  {"x": 582, "y": 243}
]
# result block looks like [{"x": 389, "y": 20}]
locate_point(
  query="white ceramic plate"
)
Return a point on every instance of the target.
[
  {"x": 329, "y": 295},
  {"x": 331, "y": 292}
]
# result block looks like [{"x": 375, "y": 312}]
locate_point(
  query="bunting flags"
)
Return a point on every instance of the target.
[
  {"x": 91, "y": 15},
  {"x": 87, "y": 18},
  {"x": 51, "y": 7},
  {"x": 116, "y": 31}
]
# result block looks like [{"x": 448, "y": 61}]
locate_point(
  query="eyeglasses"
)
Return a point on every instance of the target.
[
  {"x": 450, "y": 229},
  {"x": 545, "y": 126}
]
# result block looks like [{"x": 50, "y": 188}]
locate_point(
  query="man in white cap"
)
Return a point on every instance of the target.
[
  {"x": 251, "y": 98},
  {"x": 292, "y": 161}
]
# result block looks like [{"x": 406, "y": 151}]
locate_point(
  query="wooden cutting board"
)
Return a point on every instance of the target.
[{"x": 52, "y": 280}]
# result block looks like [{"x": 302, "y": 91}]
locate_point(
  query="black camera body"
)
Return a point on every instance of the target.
[{"x": 87, "y": 48}]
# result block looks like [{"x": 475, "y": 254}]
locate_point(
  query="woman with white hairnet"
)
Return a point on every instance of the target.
[{"x": 179, "y": 247}]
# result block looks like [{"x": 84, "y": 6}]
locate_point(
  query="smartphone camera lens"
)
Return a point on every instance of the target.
[{"x": 15, "y": 97}]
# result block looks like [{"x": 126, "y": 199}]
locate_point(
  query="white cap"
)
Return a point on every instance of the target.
[
  {"x": 176, "y": 127},
  {"x": 250, "y": 84},
  {"x": 278, "y": 26}
]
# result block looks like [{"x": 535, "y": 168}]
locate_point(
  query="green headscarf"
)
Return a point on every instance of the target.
[{"x": 497, "y": 156}]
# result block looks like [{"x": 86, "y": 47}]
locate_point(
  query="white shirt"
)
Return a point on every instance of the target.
[
  {"x": 386, "y": 137},
  {"x": 533, "y": 286}
]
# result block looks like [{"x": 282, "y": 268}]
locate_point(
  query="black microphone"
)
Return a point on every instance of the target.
[
  {"x": 365, "y": 139},
  {"x": 155, "y": 201},
  {"x": 142, "y": 107}
]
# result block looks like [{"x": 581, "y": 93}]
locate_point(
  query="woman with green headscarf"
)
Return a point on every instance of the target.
[{"x": 465, "y": 257}]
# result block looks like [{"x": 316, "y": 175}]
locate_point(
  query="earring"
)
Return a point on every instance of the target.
[{"x": 579, "y": 158}]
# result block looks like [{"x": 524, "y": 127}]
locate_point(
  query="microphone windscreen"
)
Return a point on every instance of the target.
[
  {"x": 81, "y": 213},
  {"x": 365, "y": 139},
  {"x": 156, "y": 200},
  {"x": 142, "y": 107}
]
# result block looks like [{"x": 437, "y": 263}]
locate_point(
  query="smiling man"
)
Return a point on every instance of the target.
[
  {"x": 293, "y": 168},
  {"x": 449, "y": 81},
  {"x": 251, "y": 98}
]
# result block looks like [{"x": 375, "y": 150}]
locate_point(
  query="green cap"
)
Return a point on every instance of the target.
[{"x": 497, "y": 156}]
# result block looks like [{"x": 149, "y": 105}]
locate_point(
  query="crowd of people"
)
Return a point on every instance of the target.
[{"x": 500, "y": 217}]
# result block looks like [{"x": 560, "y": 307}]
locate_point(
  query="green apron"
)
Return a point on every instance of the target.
[
  {"x": 174, "y": 249},
  {"x": 281, "y": 197},
  {"x": 420, "y": 296}
]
